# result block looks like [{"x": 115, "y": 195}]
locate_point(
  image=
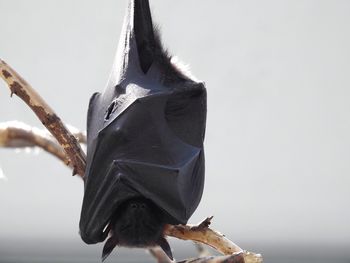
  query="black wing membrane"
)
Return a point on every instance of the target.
[{"x": 145, "y": 132}]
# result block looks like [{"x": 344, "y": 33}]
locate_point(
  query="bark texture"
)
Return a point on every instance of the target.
[{"x": 47, "y": 116}]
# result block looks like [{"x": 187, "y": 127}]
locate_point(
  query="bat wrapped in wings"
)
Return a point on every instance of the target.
[{"x": 145, "y": 132}]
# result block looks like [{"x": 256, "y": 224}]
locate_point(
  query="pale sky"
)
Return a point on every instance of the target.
[{"x": 278, "y": 131}]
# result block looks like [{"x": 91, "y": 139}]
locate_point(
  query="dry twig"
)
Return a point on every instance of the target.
[
  {"x": 46, "y": 115},
  {"x": 16, "y": 134},
  {"x": 19, "y": 135},
  {"x": 202, "y": 233}
]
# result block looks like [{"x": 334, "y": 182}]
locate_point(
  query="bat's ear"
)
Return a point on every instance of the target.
[
  {"x": 111, "y": 243},
  {"x": 163, "y": 243},
  {"x": 137, "y": 45}
]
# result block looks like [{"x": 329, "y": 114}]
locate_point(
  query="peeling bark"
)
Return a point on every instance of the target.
[{"x": 47, "y": 116}]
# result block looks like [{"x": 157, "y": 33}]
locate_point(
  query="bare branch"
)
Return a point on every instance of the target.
[
  {"x": 19, "y": 135},
  {"x": 16, "y": 134},
  {"x": 203, "y": 234},
  {"x": 46, "y": 115},
  {"x": 79, "y": 135}
]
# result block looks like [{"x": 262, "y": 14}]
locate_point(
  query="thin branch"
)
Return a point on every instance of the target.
[
  {"x": 16, "y": 134},
  {"x": 20, "y": 135},
  {"x": 202, "y": 233},
  {"x": 46, "y": 115}
]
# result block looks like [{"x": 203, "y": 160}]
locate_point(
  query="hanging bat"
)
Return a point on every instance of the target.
[{"x": 145, "y": 132}]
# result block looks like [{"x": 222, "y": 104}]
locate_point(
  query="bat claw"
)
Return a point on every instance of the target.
[
  {"x": 111, "y": 243},
  {"x": 163, "y": 243}
]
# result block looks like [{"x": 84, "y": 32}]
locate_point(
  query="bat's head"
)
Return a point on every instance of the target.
[{"x": 137, "y": 223}]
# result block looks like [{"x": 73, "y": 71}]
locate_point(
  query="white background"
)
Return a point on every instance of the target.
[{"x": 278, "y": 130}]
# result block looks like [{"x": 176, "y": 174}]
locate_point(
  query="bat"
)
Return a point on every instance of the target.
[{"x": 145, "y": 132}]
